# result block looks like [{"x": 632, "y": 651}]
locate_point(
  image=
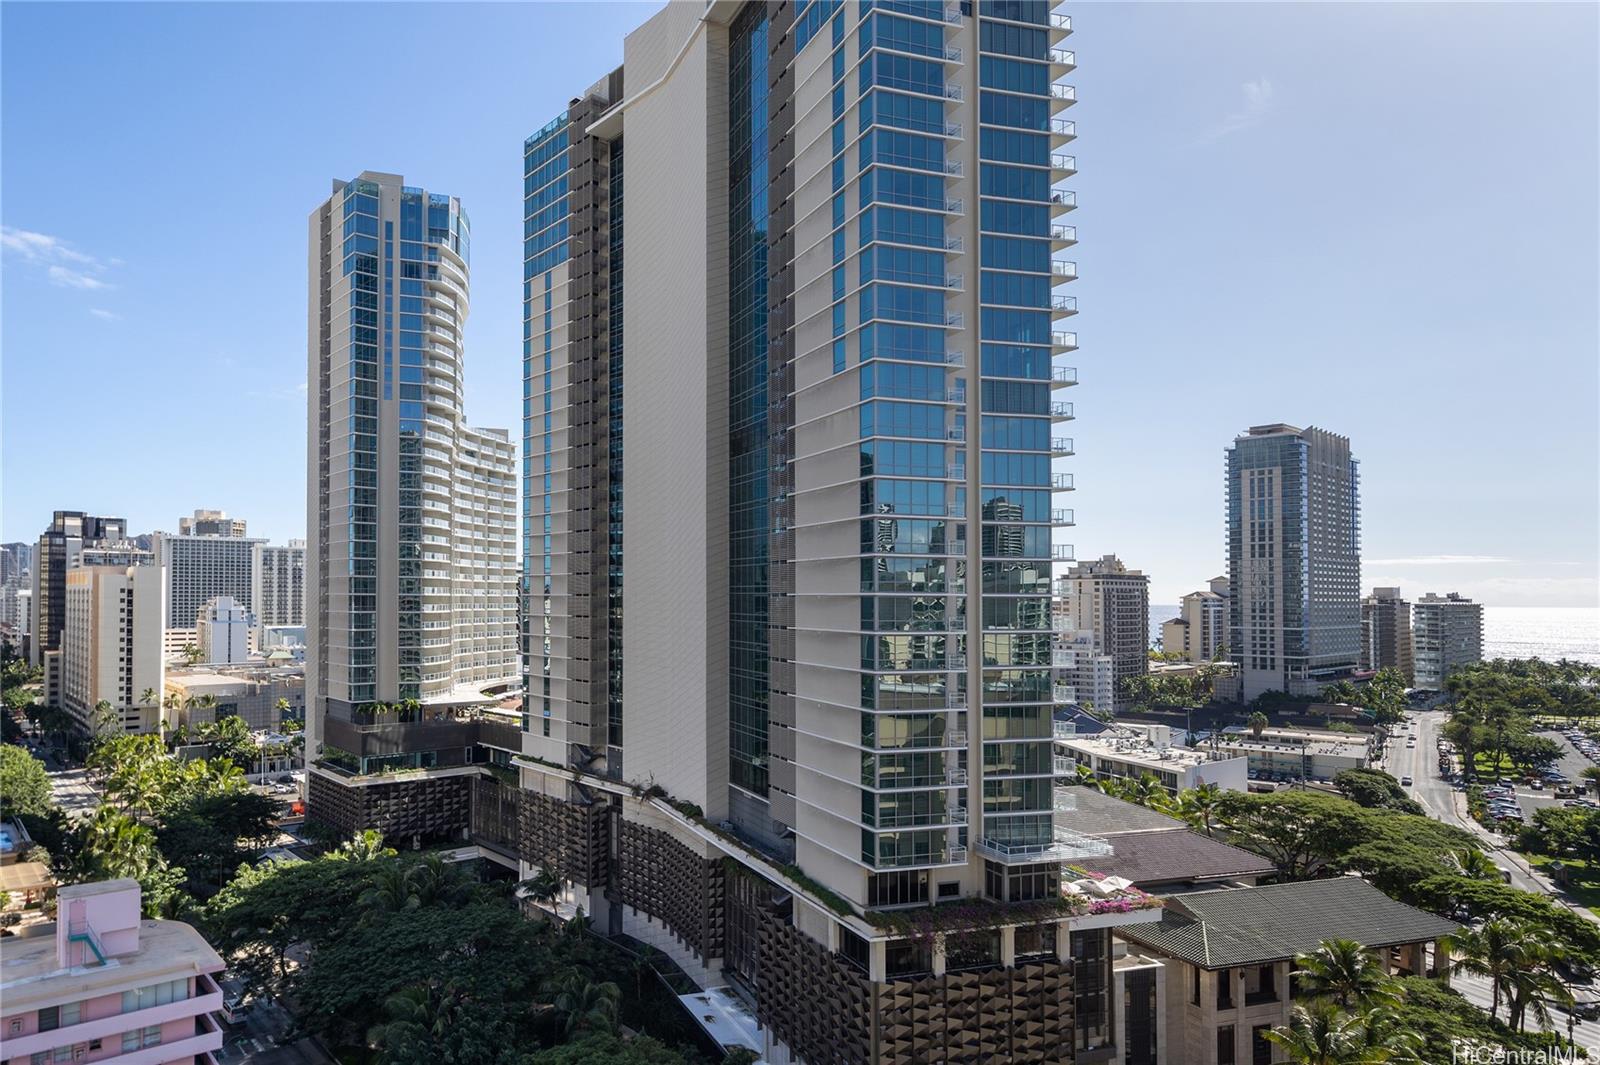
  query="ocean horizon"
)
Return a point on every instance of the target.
[{"x": 1547, "y": 632}]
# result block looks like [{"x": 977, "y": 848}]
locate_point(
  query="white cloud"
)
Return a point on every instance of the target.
[
  {"x": 1493, "y": 591},
  {"x": 68, "y": 278},
  {"x": 1258, "y": 103},
  {"x": 64, "y": 265},
  {"x": 102, "y": 313}
]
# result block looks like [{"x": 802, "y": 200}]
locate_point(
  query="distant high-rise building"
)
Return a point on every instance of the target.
[
  {"x": 1447, "y": 635},
  {"x": 1112, "y": 603},
  {"x": 58, "y": 551},
  {"x": 1200, "y": 630},
  {"x": 111, "y": 647},
  {"x": 199, "y": 569},
  {"x": 1294, "y": 559},
  {"x": 211, "y": 523},
  {"x": 411, "y": 512},
  {"x": 1386, "y": 632},
  {"x": 278, "y": 595},
  {"x": 16, "y": 561},
  {"x": 224, "y": 631}
]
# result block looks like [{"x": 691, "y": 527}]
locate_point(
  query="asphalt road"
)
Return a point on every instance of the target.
[
  {"x": 1444, "y": 803},
  {"x": 73, "y": 792}
]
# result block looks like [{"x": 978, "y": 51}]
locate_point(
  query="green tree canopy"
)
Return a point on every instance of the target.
[
  {"x": 24, "y": 784},
  {"x": 1375, "y": 789}
]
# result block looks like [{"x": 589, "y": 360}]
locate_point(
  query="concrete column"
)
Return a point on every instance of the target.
[
  {"x": 878, "y": 960},
  {"x": 1416, "y": 955},
  {"x": 938, "y": 954},
  {"x": 1008, "y": 946},
  {"x": 1441, "y": 962}
]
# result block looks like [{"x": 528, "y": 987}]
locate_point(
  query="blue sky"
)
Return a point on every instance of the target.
[{"x": 1376, "y": 218}]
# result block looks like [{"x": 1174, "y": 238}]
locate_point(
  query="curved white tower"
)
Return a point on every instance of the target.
[{"x": 410, "y": 511}]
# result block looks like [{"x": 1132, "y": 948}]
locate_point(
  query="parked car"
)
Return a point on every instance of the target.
[
  {"x": 1537, "y": 785},
  {"x": 1405, "y": 782}
]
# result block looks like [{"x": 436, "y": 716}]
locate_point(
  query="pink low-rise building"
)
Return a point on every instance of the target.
[{"x": 102, "y": 983}]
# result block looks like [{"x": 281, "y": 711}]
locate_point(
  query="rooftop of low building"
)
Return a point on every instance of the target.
[{"x": 1233, "y": 927}]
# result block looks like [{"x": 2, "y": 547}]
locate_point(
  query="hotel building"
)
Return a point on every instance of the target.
[
  {"x": 793, "y": 311},
  {"x": 1294, "y": 559},
  {"x": 411, "y": 514}
]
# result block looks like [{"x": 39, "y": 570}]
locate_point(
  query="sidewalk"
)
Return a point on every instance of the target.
[{"x": 1495, "y": 844}]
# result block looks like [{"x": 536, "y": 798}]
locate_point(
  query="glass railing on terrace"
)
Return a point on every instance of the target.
[
  {"x": 1061, "y": 57},
  {"x": 1061, "y": 445},
  {"x": 1067, "y": 93},
  {"x": 1061, "y": 482},
  {"x": 1067, "y": 341},
  {"x": 1064, "y": 375},
  {"x": 1064, "y": 198},
  {"x": 1063, "y": 552},
  {"x": 1063, "y": 127},
  {"x": 1064, "y": 234},
  {"x": 1061, "y": 516},
  {"x": 1067, "y": 163},
  {"x": 1064, "y": 268},
  {"x": 1064, "y": 305}
]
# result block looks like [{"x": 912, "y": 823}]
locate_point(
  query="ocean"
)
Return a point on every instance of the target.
[{"x": 1548, "y": 632}]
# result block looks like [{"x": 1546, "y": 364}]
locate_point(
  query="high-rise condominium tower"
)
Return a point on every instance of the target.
[
  {"x": 791, "y": 322},
  {"x": 111, "y": 648},
  {"x": 60, "y": 548},
  {"x": 1447, "y": 631},
  {"x": 412, "y": 549},
  {"x": 1111, "y": 603},
  {"x": 1294, "y": 559},
  {"x": 279, "y": 592},
  {"x": 202, "y": 566},
  {"x": 1386, "y": 632}
]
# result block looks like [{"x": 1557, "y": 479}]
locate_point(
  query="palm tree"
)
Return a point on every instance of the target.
[
  {"x": 582, "y": 1005},
  {"x": 418, "y": 1012},
  {"x": 1345, "y": 973},
  {"x": 1085, "y": 777},
  {"x": 1198, "y": 806},
  {"x": 1257, "y": 723},
  {"x": 543, "y": 887},
  {"x": 1476, "y": 865},
  {"x": 1147, "y": 791},
  {"x": 1495, "y": 951},
  {"x": 192, "y": 654},
  {"x": 364, "y": 846},
  {"x": 1320, "y": 1034},
  {"x": 1534, "y": 987},
  {"x": 391, "y": 890}
]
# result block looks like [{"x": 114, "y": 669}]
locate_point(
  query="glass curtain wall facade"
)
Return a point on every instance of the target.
[
  {"x": 412, "y": 509},
  {"x": 749, "y": 491},
  {"x": 1294, "y": 558},
  {"x": 545, "y": 231},
  {"x": 890, "y": 172}
]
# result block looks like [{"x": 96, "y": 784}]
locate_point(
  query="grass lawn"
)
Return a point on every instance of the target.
[
  {"x": 1583, "y": 878},
  {"x": 1483, "y": 763}
]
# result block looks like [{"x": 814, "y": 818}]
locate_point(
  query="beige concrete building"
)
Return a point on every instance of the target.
[
  {"x": 111, "y": 645},
  {"x": 1228, "y": 957},
  {"x": 1111, "y": 602},
  {"x": 1386, "y": 633},
  {"x": 1200, "y": 630}
]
